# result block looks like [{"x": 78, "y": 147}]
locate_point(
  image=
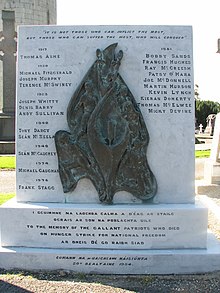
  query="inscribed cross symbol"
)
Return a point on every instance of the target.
[{"x": 8, "y": 48}]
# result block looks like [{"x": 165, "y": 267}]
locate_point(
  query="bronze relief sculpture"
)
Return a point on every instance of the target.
[{"x": 108, "y": 138}]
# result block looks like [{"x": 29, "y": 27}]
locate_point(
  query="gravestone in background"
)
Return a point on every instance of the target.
[
  {"x": 8, "y": 58},
  {"x": 210, "y": 124},
  {"x": 211, "y": 183},
  {"x": 212, "y": 166},
  {"x": 105, "y": 114}
]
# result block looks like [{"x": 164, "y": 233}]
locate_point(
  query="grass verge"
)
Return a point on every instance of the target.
[
  {"x": 7, "y": 162},
  {"x": 202, "y": 154},
  {"x": 5, "y": 197}
]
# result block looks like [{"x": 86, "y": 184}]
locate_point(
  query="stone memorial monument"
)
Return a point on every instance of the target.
[{"x": 105, "y": 154}]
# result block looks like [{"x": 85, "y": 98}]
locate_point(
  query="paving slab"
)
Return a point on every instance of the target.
[{"x": 7, "y": 181}]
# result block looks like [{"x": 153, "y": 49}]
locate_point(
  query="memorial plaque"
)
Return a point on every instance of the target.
[
  {"x": 109, "y": 227},
  {"x": 157, "y": 69}
]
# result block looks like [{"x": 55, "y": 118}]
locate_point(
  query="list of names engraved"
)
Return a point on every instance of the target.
[
  {"x": 52, "y": 61},
  {"x": 168, "y": 83}
]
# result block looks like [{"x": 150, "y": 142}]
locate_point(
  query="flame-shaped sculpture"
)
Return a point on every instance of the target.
[{"x": 108, "y": 138}]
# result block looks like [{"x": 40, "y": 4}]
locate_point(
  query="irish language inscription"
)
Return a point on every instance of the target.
[{"x": 106, "y": 227}]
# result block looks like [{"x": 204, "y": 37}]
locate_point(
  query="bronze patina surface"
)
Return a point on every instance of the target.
[{"x": 108, "y": 138}]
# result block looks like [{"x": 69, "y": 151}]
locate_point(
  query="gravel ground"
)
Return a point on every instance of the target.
[
  {"x": 62, "y": 282},
  {"x": 67, "y": 282}
]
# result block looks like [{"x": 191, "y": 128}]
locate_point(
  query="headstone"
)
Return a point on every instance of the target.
[
  {"x": 210, "y": 124},
  {"x": 105, "y": 153},
  {"x": 212, "y": 166},
  {"x": 8, "y": 49},
  {"x": 200, "y": 128}
]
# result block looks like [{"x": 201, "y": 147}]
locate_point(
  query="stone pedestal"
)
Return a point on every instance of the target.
[
  {"x": 118, "y": 239},
  {"x": 7, "y": 147},
  {"x": 95, "y": 226},
  {"x": 7, "y": 127},
  {"x": 163, "y": 261},
  {"x": 212, "y": 172}
]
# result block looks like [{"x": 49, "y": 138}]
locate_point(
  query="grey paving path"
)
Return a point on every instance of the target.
[
  {"x": 7, "y": 181},
  {"x": 203, "y": 146}
]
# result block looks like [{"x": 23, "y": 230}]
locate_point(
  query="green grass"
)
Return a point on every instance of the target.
[
  {"x": 202, "y": 154},
  {"x": 7, "y": 162},
  {"x": 5, "y": 197}
]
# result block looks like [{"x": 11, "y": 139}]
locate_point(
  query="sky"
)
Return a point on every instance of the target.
[{"x": 203, "y": 16}]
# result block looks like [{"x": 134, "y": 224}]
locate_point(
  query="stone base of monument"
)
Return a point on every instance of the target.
[
  {"x": 141, "y": 239},
  {"x": 7, "y": 147},
  {"x": 94, "y": 261},
  {"x": 210, "y": 185},
  {"x": 7, "y": 127},
  {"x": 212, "y": 172}
]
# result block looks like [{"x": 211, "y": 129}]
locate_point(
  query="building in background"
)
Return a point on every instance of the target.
[{"x": 12, "y": 14}]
